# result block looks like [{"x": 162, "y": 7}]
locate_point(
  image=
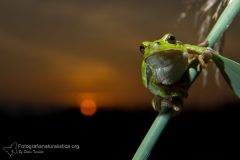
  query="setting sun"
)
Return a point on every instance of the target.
[{"x": 88, "y": 107}]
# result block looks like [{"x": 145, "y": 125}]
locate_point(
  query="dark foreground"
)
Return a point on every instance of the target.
[{"x": 117, "y": 135}]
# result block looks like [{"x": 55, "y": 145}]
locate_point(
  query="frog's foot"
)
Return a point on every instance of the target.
[
  {"x": 203, "y": 44},
  {"x": 160, "y": 103},
  {"x": 205, "y": 58}
]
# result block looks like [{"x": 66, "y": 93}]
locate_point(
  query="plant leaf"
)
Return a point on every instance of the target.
[{"x": 230, "y": 71}]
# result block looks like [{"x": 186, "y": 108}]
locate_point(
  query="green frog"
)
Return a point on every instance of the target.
[{"x": 164, "y": 63}]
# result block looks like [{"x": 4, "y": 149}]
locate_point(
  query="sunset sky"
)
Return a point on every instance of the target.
[{"x": 62, "y": 52}]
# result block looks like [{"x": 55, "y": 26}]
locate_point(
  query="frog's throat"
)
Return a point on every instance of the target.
[{"x": 167, "y": 68}]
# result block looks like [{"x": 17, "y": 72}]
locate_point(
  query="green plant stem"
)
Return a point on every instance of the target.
[
  {"x": 152, "y": 136},
  {"x": 223, "y": 21}
]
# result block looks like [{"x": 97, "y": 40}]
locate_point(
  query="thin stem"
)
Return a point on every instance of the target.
[
  {"x": 152, "y": 136},
  {"x": 224, "y": 21}
]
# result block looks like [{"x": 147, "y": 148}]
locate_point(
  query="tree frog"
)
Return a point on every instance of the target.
[{"x": 164, "y": 63}]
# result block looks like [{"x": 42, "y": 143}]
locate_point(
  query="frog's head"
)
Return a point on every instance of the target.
[
  {"x": 164, "y": 59},
  {"x": 167, "y": 43}
]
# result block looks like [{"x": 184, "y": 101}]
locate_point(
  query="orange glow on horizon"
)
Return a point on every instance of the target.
[{"x": 88, "y": 107}]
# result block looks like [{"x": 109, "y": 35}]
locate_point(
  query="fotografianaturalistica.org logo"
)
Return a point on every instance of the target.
[
  {"x": 12, "y": 149},
  {"x": 19, "y": 149}
]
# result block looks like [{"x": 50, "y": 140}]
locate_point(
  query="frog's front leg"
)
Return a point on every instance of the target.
[
  {"x": 202, "y": 63},
  {"x": 209, "y": 52}
]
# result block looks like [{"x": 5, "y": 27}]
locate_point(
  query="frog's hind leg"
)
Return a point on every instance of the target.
[
  {"x": 157, "y": 103},
  {"x": 161, "y": 103}
]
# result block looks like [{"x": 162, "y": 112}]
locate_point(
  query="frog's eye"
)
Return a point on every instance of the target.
[
  {"x": 171, "y": 39},
  {"x": 142, "y": 48}
]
